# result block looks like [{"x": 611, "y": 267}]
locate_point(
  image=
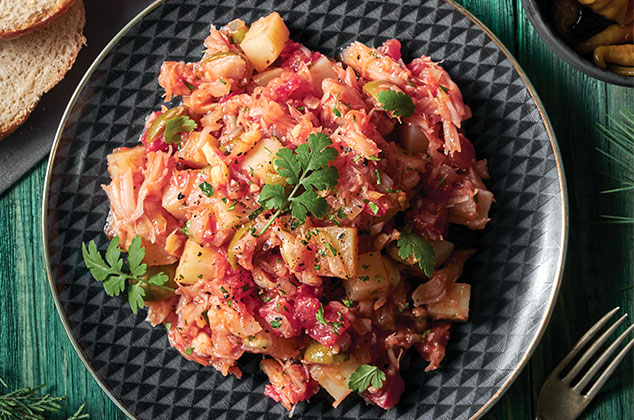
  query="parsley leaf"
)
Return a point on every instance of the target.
[
  {"x": 272, "y": 196},
  {"x": 306, "y": 168},
  {"x": 178, "y": 125},
  {"x": 348, "y": 303},
  {"x": 115, "y": 280},
  {"x": 320, "y": 315},
  {"x": 275, "y": 324},
  {"x": 410, "y": 243},
  {"x": 398, "y": 103},
  {"x": 364, "y": 376},
  {"x": 206, "y": 188}
]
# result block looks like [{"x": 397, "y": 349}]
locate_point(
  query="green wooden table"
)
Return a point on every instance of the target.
[{"x": 34, "y": 348}]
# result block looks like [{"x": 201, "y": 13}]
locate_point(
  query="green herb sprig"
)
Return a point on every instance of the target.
[
  {"x": 115, "y": 279},
  {"x": 178, "y": 125},
  {"x": 365, "y": 375},
  {"x": 398, "y": 103},
  {"x": 30, "y": 404},
  {"x": 305, "y": 169},
  {"x": 412, "y": 244}
]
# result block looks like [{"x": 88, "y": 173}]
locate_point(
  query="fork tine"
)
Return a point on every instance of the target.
[
  {"x": 592, "y": 350},
  {"x": 602, "y": 360},
  {"x": 610, "y": 369},
  {"x": 583, "y": 341}
]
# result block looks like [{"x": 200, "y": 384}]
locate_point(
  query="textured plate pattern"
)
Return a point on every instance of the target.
[{"x": 514, "y": 274}]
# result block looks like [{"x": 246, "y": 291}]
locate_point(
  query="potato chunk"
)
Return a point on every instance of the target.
[
  {"x": 337, "y": 250},
  {"x": 259, "y": 160},
  {"x": 454, "y": 305},
  {"x": 265, "y": 40},
  {"x": 372, "y": 280},
  {"x": 196, "y": 263},
  {"x": 334, "y": 378}
]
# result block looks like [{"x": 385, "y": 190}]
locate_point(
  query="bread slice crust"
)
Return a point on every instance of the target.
[
  {"x": 35, "y": 62},
  {"x": 30, "y": 20}
]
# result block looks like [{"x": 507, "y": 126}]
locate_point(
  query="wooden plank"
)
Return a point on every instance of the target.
[{"x": 34, "y": 348}]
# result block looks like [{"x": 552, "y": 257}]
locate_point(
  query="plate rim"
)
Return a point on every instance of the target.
[{"x": 531, "y": 89}]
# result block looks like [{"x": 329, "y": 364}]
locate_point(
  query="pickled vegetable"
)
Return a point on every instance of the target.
[
  {"x": 621, "y": 55},
  {"x": 158, "y": 125},
  {"x": 262, "y": 79},
  {"x": 155, "y": 294},
  {"x": 621, "y": 11},
  {"x": 237, "y": 30},
  {"x": 318, "y": 353},
  {"x": 231, "y": 256},
  {"x": 222, "y": 66},
  {"x": 613, "y": 34}
]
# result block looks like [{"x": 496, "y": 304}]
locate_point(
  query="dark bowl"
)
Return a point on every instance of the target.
[{"x": 534, "y": 11}]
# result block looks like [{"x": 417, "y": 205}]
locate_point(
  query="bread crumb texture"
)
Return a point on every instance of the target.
[
  {"x": 33, "y": 63},
  {"x": 21, "y": 16}
]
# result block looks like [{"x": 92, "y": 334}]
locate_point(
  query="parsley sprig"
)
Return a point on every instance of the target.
[
  {"x": 398, "y": 103},
  {"x": 365, "y": 375},
  {"x": 178, "y": 125},
  {"x": 307, "y": 170},
  {"x": 410, "y": 243},
  {"x": 115, "y": 279}
]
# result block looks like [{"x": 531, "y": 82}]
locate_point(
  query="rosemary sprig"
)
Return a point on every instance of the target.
[
  {"x": 620, "y": 135},
  {"x": 30, "y": 404}
]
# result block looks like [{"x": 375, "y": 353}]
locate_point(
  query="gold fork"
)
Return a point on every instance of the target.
[{"x": 560, "y": 398}]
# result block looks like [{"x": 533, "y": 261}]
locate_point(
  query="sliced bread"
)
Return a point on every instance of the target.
[
  {"x": 18, "y": 17},
  {"x": 35, "y": 62}
]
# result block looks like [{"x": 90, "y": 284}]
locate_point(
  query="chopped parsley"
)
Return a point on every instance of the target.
[
  {"x": 320, "y": 315},
  {"x": 206, "y": 188}
]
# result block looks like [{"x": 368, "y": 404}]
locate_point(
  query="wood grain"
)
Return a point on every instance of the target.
[{"x": 34, "y": 348}]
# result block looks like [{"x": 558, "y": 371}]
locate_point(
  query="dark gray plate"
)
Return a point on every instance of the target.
[{"x": 515, "y": 274}]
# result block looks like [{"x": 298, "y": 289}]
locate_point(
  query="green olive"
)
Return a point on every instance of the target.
[
  {"x": 158, "y": 125},
  {"x": 155, "y": 294},
  {"x": 318, "y": 353},
  {"x": 236, "y": 237}
]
